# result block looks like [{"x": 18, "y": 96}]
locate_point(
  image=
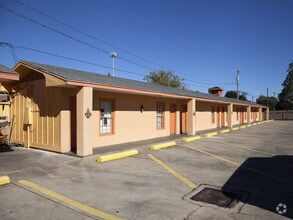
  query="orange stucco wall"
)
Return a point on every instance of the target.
[
  {"x": 236, "y": 120},
  {"x": 130, "y": 123},
  {"x": 255, "y": 111},
  {"x": 204, "y": 118}
]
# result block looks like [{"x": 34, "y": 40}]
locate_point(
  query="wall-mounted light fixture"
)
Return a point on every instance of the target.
[{"x": 141, "y": 108}]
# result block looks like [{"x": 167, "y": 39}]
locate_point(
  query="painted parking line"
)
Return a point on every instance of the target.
[
  {"x": 212, "y": 155},
  {"x": 176, "y": 174},
  {"x": 68, "y": 201},
  {"x": 244, "y": 148},
  {"x": 233, "y": 163}
]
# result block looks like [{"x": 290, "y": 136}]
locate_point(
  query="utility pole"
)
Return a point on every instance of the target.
[
  {"x": 237, "y": 82},
  {"x": 267, "y": 96},
  {"x": 12, "y": 48},
  {"x": 252, "y": 98},
  {"x": 274, "y": 101},
  {"x": 113, "y": 55}
]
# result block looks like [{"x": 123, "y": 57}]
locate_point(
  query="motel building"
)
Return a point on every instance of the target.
[{"x": 66, "y": 110}]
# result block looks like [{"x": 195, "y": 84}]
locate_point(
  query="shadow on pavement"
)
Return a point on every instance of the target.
[
  {"x": 5, "y": 148},
  {"x": 268, "y": 183}
]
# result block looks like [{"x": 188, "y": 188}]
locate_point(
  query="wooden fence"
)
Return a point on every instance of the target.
[{"x": 281, "y": 115}]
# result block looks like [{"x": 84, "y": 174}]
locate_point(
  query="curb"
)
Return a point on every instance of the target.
[
  {"x": 163, "y": 145},
  {"x": 248, "y": 125},
  {"x": 191, "y": 139},
  {"x": 4, "y": 180},
  {"x": 234, "y": 129},
  {"x": 243, "y": 126},
  {"x": 115, "y": 156},
  {"x": 210, "y": 134},
  {"x": 224, "y": 131}
]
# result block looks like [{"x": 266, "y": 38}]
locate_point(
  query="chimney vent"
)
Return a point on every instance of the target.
[{"x": 216, "y": 91}]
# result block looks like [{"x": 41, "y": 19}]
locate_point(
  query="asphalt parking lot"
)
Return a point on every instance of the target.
[{"x": 256, "y": 161}]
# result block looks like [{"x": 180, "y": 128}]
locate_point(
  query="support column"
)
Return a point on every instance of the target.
[
  {"x": 85, "y": 132},
  {"x": 260, "y": 114},
  {"x": 230, "y": 115},
  {"x": 267, "y": 114},
  {"x": 191, "y": 111},
  {"x": 178, "y": 121},
  {"x": 249, "y": 114}
]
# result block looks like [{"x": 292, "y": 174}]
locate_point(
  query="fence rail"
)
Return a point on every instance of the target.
[{"x": 281, "y": 115}]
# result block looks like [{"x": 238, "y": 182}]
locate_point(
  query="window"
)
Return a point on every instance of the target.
[
  {"x": 245, "y": 114},
  {"x": 237, "y": 114},
  {"x": 213, "y": 115},
  {"x": 106, "y": 116},
  {"x": 160, "y": 115}
]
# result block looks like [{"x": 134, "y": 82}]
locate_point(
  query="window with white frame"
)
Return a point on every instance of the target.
[
  {"x": 160, "y": 115},
  {"x": 106, "y": 116}
]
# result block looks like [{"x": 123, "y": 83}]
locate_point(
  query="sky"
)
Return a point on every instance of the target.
[{"x": 202, "y": 41}]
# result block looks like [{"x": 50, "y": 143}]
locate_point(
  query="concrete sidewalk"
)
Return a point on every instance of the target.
[{"x": 136, "y": 144}]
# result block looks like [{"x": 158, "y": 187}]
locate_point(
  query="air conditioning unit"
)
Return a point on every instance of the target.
[{"x": 4, "y": 97}]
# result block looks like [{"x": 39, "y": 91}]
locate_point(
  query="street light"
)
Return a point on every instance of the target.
[{"x": 113, "y": 55}]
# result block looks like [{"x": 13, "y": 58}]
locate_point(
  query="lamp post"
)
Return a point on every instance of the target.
[{"x": 113, "y": 55}]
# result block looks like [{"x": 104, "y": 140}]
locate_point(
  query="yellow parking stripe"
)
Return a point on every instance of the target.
[
  {"x": 176, "y": 174},
  {"x": 212, "y": 155},
  {"x": 244, "y": 148},
  {"x": 233, "y": 163},
  {"x": 68, "y": 201}
]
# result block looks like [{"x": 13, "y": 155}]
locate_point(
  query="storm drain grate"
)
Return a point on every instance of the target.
[{"x": 217, "y": 197}]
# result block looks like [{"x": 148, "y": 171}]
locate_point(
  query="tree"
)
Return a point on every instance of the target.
[
  {"x": 263, "y": 100},
  {"x": 233, "y": 94},
  {"x": 286, "y": 96},
  {"x": 165, "y": 78}
]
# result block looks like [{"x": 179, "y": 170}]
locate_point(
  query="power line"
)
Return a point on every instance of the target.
[
  {"x": 13, "y": 55},
  {"x": 252, "y": 87},
  {"x": 15, "y": 47},
  {"x": 87, "y": 44},
  {"x": 123, "y": 50},
  {"x": 199, "y": 84},
  {"x": 54, "y": 30},
  {"x": 86, "y": 34},
  {"x": 12, "y": 50},
  {"x": 72, "y": 38},
  {"x": 67, "y": 58},
  {"x": 161, "y": 29}
]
